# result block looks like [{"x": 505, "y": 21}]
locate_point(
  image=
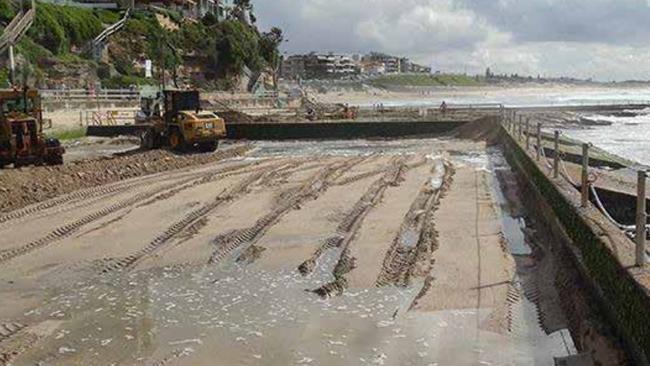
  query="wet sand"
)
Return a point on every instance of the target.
[{"x": 336, "y": 253}]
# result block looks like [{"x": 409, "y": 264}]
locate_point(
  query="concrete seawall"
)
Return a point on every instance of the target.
[
  {"x": 309, "y": 130},
  {"x": 337, "y": 130},
  {"x": 602, "y": 254}
]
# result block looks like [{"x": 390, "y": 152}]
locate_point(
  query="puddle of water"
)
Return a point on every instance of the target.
[
  {"x": 438, "y": 174},
  {"x": 526, "y": 313},
  {"x": 513, "y": 227}
]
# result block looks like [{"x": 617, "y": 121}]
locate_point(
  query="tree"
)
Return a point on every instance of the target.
[
  {"x": 269, "y": 47},
  {"x": 237, "y": 45}
]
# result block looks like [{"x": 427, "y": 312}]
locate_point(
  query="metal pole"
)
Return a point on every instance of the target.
[
  {"x": 539, "y": 140},
  {"x": 585, "y": 175},
  {"x": 556, "y": 158},
  {"x": 520, "y": 125},
  {"x": 527, "y": 133},
  {"x": 12, "y": 65},
  {"x": 641, "y": 220},
  {"x": 509, "y": 122}
]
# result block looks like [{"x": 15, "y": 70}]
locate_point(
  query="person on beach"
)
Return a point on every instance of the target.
[{"x": 443, "y": 107}]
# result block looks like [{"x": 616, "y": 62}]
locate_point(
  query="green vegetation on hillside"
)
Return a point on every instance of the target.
[
  {"x": 58, "y": 28},
  {"x": 208, "y": 53},
  {"x": 6, "y": 12},
  {"x": 425, "y": 80}
]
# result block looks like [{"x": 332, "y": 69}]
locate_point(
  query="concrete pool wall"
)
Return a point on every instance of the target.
[{"x": 602, "y": 254}]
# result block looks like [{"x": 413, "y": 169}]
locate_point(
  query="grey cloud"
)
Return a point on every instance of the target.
[
  {"x": 603, "y": 21},
  {"x": 605, "y": 39},
  {"x": 363, "y": 25}
]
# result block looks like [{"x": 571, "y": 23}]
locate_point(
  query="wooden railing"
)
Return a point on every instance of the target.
[{"x": 17, "y": 28}]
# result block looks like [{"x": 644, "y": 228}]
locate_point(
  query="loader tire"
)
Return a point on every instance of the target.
[
  {"x": 208, "y": 147},
  {"x": 148, "y": 140},
  {"x": 55, "y": 160},
  {"x": 176, "y": 141}
]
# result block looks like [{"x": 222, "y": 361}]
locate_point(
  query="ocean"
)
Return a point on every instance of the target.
[{"x": 628, "y": 137}]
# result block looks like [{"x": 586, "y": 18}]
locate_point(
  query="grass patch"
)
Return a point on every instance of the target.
[
  {"x": 425, "y": 80},
  {"x": 69, "y": 134}
]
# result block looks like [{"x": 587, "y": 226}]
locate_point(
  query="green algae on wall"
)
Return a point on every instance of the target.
[{"x": 623, "y": 298}]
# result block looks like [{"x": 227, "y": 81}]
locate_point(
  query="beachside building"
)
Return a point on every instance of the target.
[
  {"x": 223, "y": 8},
  {"x": 408, "y": 66},
  {"x": 318, "y": 66},
  {"x": 392, "y": 64}
]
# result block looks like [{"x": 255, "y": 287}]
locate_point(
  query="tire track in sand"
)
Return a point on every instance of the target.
[
  {"x": 95, "y": 192},
  {"x": 192, "y": 218},
  {"x": 243, "y": 239},
  {"x": 411, "y": 251},
  {"x": 348, "y": 229},
  {"x": 69, "y": 229}
]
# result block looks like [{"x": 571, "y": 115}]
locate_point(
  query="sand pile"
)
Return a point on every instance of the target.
[
  {"x": 25, "y": 186},
  {"x": 483, "y": 129}
]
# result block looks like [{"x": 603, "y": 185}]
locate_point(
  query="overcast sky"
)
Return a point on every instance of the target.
[{"x": 603, "y": 39}]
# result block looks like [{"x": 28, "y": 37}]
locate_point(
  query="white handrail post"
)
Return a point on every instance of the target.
[
  {"x": 539, "y": 140},
  {"x": 556, "y": 157},
  {"x": 641, "y": 220},
  {"x": 585, "y": 175},
  {"x": 527, "y": 133}
]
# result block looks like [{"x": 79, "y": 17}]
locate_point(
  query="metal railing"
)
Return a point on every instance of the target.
[
  {"x": 112, "y": 29},
  {"x": 82, "y": 95},
  {"x": 107, "y": 117},
  {"x": 519, "y": 129},
  {"x": 523, "y": 106}
]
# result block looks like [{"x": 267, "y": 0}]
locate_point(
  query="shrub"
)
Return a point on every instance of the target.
[
  {"x": 6, "y": 11},
  {"x": 32, "y": 51},
  {"x": 107, "y": 16},
  {"x": 124, "y": 81},
  {"x": 59, "y": 27}
]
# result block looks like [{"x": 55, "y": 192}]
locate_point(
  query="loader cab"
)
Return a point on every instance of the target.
[
  {"x": 184, "y": 125},
  {"x": 150, "y": 107},
  {"x": 180, "y": 100}
]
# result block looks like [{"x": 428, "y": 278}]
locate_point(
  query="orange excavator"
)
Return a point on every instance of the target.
[{"x": 22, "y": 141}]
